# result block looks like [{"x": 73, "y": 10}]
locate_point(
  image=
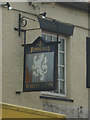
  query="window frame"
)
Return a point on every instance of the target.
[{"x": 52, "y": 93}]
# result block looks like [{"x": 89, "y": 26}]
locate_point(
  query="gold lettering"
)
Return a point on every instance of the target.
[
  {"x": 27, "y": 86},
  {"x": 31, "y": 49},
  {"x": 31, "y": 86},
  {"x": 48, "y": 48},
  {"x": 40, "y": 49},
  {"x": 40, "y": 43}
]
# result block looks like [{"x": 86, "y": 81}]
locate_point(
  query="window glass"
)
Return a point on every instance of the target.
[
  {"x": 48, "y": 38},
  {"x": 54, "y": 39},
  {"x": 61, "y": 87},
  {"x": 61, "y": 59},
  {"x": 43, "y": 36},
  {"x": 60, "y": 72},
  {"x": 61, "y": 46}
]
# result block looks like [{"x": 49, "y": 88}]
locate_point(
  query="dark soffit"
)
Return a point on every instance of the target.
[{"x": 76, "y": 5}]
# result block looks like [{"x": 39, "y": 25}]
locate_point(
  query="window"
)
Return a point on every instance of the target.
[{"x": 61, "y": 88}]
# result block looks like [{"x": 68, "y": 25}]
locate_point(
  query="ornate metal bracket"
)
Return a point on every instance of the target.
[{"x": 22, "y": 22}]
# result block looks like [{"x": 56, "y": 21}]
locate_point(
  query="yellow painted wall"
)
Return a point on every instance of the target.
[{"x": 12, "y": 111}]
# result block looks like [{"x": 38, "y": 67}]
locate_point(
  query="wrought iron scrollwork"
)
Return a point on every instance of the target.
[{"x": 23, "y": 22}]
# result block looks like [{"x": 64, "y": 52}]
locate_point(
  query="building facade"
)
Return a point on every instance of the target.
[{"x": 71, "y": 96}]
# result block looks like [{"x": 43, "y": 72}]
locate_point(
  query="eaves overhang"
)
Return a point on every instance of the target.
[{"x": 76, "y": 5}]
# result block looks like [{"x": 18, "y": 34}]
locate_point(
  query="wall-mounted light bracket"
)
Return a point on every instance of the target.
[{"x": 6, "y": 5}]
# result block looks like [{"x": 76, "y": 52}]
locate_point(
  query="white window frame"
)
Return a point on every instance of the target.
[{"x": 53, "y": 93}]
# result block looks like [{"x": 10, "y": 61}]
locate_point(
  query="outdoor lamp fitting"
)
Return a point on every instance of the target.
[
  {"x": 8, "y": 5},
  {"x": 43, "y": 14}
]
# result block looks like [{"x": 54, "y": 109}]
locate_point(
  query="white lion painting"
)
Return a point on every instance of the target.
[{"x": 39, "y": 67}]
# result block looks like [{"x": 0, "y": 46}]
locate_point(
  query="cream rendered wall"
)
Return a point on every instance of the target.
[
  {"x": 0, "y": 54},
  {"x": 13, "y": 54},
  {"x": 12, "y": 50},
  {"x": 0, "y": 60}
]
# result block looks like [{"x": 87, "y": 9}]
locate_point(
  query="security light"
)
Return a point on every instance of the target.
[
  {"x": 7, "y": 5},
  {"x": 43, "y": 15},
  {"x": 10, "y": 8}
]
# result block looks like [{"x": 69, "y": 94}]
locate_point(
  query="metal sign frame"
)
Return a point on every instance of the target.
[{"x": 39, "y": 48}]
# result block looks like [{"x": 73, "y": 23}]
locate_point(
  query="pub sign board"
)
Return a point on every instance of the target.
[{"x": 39, "y": 71}]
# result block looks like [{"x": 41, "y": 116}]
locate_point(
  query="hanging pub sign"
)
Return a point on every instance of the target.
[{"x": 39, "y": 71}]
